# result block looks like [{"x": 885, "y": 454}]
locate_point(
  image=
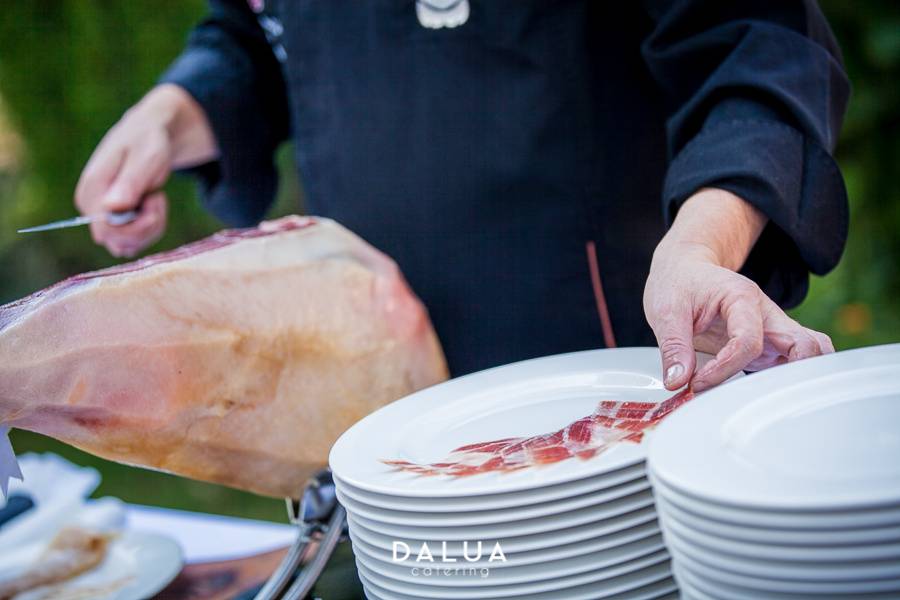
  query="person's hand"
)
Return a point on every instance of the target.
[
  {"x": 134, "y": 160},
  {"x": 694, "y": 299}
]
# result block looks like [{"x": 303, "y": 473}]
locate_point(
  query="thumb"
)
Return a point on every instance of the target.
[{"x": 675, "y": 336}]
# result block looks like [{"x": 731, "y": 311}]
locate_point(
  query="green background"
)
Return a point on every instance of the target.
[{"x": 69, "y": 68}]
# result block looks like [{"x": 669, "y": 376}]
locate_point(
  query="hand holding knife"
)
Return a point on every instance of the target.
[
  {"x": 151, "y": 205},
  {"x": 112, "y": 218}
]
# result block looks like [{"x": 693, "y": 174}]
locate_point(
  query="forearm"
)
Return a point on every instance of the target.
[
  {"x": 716, "y": 224},
  {"x": 191, "y": 136}
]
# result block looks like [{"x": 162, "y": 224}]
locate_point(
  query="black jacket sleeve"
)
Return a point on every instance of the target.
[
  {"x": 757, "y": 95},
  {"x": 231, "y": 70}
]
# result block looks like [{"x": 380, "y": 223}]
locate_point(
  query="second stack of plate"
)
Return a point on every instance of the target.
[
  {"x": 786, "y": 484},
  {"x": 576, "y": 529}
]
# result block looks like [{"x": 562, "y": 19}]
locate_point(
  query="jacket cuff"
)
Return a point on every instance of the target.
[
  {"x": 788, "y": 177},
  {"x": 240, "y": 186}
]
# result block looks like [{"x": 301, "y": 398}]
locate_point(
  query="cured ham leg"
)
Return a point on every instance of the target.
[
  {"x": 238, "y": 359},
  {"x": 611, "y": 423}
]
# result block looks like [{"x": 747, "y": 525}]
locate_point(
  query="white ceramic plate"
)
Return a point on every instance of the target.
[
  {"x": 705, "y": 566},
  {"x": 664, "y": 589},
  {"x": 495, "y": 501},
  {"x": 805, "y": 554},
  {"x": 787, "y": 570},
  {"x": 137, "y": 565},
  {"x": 816, "y": 434},
  {"x": 381, "y": 547},
  {"x": 602, "y": 560},
  {"x": 775, "y": 519},
  {"x": 638, "y": 573},
  {"x": 780, "y": 537},
  {"x": 632, "y": 490},
  {"x": 694, "y": 587},
  {"x": 522, "y": 399},
  {"x": 610, "y": 510},
  {"x": 687, "y": 583}
]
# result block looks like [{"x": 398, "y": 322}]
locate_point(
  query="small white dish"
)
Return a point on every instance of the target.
[{"x": 137, "y": 565}]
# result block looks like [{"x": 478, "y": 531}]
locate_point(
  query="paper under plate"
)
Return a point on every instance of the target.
[
  {"x": 528, "y": 398},
  {"x": 137, "y": 565},
  {"x": 816, "y": 434}
]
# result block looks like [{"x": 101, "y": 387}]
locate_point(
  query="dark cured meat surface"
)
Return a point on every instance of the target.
[
  {"x": 611, "y": 423},
  {"x": 9, "y": 313}
]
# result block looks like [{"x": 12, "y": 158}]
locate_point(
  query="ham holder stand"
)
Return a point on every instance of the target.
[{"x": 321, "y": 522}]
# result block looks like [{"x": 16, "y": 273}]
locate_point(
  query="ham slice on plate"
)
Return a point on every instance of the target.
[
  {"x": 611, "y": 422},
  {"x": 238, "y": 359}
]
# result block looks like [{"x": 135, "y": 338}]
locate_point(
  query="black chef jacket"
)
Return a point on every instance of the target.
[{"x": 522, "y": 166}]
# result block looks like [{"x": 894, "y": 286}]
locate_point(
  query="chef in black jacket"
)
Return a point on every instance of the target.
[{"x": 511, "y": 155}]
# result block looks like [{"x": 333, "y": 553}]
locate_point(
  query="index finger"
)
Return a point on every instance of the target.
[
  {"x": 97, "y": 175},
  {"x": 744, "y": 324}
]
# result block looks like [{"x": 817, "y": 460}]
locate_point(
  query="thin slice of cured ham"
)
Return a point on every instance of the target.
[
  {"x": 238, "y": 359},
  {"x": 611, "y": 423}
]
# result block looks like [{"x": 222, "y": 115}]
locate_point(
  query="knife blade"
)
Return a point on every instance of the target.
[{"x": 113, "y": 218}]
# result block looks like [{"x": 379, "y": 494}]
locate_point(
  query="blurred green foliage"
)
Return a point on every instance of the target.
[
  {"x": 69, "y": 68},
  {"x": 858, "y": 304}
]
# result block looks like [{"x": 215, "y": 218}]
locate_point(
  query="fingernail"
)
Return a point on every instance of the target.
[{"x": 674, "y": 372}]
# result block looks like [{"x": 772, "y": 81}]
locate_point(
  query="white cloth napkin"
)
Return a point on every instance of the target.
[{"x": 9, "y": 466}]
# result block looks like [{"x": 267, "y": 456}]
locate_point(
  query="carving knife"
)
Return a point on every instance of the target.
[{"x": 113, "y": 218}]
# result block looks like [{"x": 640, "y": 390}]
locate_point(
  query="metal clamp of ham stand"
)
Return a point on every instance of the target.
[{"x": 321, "y": 521}]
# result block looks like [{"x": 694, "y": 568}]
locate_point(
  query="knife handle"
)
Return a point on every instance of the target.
[{"x": 121, "y": 218}]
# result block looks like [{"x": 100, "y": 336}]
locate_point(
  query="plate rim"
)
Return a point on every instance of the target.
[
  {"x": 498, "y": 515},
  {"x": 504, "y": 500},
  {"x": 662, "y": 562},
  {"x": 342, "y": 452},
  {"x": 721, "y": 402}
]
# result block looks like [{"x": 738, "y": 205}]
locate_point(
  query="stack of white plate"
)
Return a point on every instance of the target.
[
  {"x": 786, "y": 484},
  {"x": 578, "y": 528}
]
